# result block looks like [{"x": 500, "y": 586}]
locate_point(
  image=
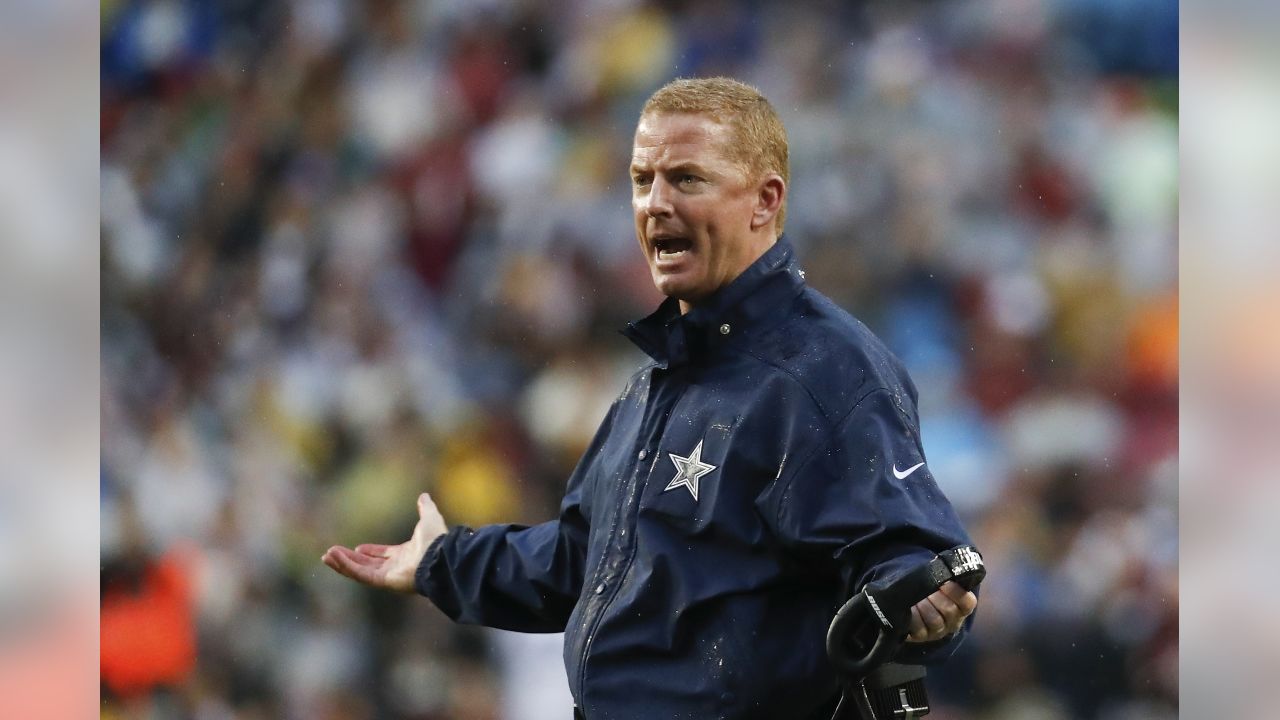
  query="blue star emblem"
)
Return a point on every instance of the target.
[{"x": 688, "y": 470}]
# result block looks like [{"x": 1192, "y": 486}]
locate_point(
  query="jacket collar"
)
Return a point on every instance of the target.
[{"x": 761, "y": 293}]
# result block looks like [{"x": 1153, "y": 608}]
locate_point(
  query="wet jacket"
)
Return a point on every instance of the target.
[{"x": 763, "y": 466}]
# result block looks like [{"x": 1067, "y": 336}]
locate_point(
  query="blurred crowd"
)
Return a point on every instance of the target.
[{"x": 353, "y": 251}]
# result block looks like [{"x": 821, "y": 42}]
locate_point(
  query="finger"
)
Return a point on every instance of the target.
[
  {"x": 916, "y": 631},
  {"x": 370, "y": 561},
  {"x": 342, "y": 560},
  {"x": 963, "y": 599},
  {"x": 336, "y": 556},
  {"x": 431, "y": 523},
  {"x": 374, "y": 549},
  {"x": 931, "y": 617},
  {"x": 332, "y": 558},
  {"x": 329, "y": 558},
  {"x": 325, "y": 557},
  {"x": 949, "y": 611},
  {"x": 426, "y": 505}
]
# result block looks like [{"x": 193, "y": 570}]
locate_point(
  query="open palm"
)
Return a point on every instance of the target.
[{"x": 391, "y": 567}]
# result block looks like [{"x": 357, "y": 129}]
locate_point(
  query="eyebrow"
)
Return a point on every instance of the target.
[{"x": 687, "y": 166}]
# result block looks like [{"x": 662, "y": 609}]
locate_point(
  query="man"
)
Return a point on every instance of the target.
[{"x": 764, "y": 466}]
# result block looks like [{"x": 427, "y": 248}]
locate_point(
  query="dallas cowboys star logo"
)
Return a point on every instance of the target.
[{"x": 688, "y": 470}]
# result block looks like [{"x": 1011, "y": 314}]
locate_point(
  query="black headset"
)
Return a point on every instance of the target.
[{"x": 868, "y": 630}]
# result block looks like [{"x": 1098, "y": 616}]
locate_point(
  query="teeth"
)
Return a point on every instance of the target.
[{"x": 670, "y": 248}]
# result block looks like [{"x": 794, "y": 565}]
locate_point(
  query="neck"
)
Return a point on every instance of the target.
[{"x": 687, "y": 305}]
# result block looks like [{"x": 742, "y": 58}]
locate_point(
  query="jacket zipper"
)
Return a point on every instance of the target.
[{"x": 628, "y": 521}]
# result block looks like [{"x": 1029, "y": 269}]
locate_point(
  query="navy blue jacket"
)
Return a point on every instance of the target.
[{"x": 743, "y": 484}]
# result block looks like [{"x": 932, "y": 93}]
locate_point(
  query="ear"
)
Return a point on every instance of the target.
[{"x": 770, "y": 194}]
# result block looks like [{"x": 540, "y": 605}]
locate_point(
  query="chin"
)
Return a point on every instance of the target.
[
  {"x": 672, "y": 288},
  {"x": 686, "y": 286}
]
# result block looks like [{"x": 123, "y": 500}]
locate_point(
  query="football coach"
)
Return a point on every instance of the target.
[{"x": 762, "y": 466}]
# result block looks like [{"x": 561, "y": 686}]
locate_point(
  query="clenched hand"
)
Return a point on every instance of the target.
[
  {"x": 391, "y": 567},
  {"x": 942, "y": 613}
]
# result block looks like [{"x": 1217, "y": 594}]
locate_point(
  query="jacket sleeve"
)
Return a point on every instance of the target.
[
  {"x": 514, "y": 577},
  {"x": 856, "y": 507}
]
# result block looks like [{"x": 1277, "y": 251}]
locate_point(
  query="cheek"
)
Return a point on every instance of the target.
[{"x": 719, "y": 226}]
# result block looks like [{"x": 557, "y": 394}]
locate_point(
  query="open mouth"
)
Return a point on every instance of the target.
[{"x": 671, "y": 248}]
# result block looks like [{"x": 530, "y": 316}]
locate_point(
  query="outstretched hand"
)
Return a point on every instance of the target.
[
  {"x": 391, "y": 567},
  {"x": 942, "y": 613}
]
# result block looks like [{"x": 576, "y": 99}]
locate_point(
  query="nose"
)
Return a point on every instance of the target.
[{"x": 657, "y": 201}]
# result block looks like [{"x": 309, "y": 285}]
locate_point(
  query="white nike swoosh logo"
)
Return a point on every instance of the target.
[{"x": 902, "y": 474}]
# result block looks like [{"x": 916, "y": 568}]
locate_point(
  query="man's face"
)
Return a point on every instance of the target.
[{"x": 693, "y": 206}]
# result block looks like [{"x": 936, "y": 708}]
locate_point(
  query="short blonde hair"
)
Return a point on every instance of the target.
[{"x": 759, "y": 143}]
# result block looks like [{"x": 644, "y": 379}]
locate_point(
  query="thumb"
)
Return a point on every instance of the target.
[
  {"x": 427, "y": 507},
  {"x": 431, "y": 523}
]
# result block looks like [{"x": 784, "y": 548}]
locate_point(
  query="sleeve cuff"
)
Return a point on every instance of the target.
[{"x": 433, "y": 585}]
